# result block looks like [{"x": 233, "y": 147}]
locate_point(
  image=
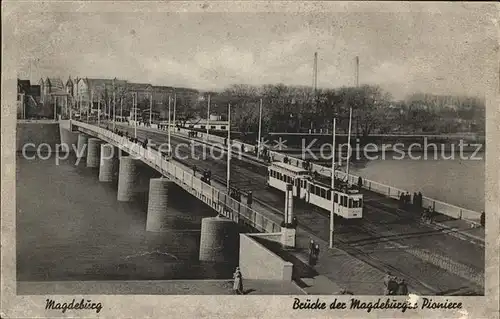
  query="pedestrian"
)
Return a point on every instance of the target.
[
  {"x": 194, "y": 170},
  {"x": 311, "y": 251},
  {"x": 295, "y": 222},
  {"x": 238, "y": 282},
  {"x": 360, "y": 182},
  {"x": 249, "y": 199},
  {"x": 316, "y": 253},
  {"x": 285, "y": 160},
  {"x": 482, "y": 219},
  {"x": 415, "y": 201}
]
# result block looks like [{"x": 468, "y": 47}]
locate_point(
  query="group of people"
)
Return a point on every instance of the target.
[
  {"x": 394, "y": 286},
  {"x": 192, "y": 134},
  {"x": 313, "y": 253}
]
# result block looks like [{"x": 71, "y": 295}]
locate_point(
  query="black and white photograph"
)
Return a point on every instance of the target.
[{"x": 335, "y": 151}]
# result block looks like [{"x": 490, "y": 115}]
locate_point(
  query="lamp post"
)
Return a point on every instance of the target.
[
  {"x": 208, "y": 116},
  {"x": 228, "y": 147}
]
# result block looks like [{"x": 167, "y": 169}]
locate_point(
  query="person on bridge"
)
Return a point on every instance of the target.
[
  {"x": 360, "y": 182},
  {"x": 295, "y": 222},
  {"x": 285, "y": 160},
  {"x": 311, "y": 250},
  {"x": 402, "y": 288},
  {"x": 420, "y": 200}
]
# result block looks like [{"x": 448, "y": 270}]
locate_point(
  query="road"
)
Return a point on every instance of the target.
[{"x": 387, "y": 238}]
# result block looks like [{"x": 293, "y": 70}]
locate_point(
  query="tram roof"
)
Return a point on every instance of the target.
[{"x": 289, "y": 167}]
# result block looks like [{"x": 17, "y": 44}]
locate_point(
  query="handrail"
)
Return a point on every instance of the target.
[{"x": 210, "y": 195}]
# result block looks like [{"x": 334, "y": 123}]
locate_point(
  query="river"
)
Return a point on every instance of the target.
[{"x": 71, "y": 227}]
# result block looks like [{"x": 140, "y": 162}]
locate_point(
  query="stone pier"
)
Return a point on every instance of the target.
[
  {"x": 127, "y": 178},
  {"x": 158, "y": 203},
  {"x": 82, "y": 145},
  {"x": 108, "y": 164},
  {"x": 93, "y": 152}
]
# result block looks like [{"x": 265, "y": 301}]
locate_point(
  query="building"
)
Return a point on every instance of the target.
[{"x": 95, "y": 93}]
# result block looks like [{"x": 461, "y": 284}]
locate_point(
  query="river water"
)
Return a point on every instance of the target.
[{"x": 71, "y": 227}]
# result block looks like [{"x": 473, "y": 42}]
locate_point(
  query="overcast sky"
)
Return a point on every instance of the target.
[{"x": 402, "y": 52}]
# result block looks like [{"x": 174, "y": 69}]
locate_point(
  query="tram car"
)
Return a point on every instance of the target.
[{"x": 349, "y": 202}]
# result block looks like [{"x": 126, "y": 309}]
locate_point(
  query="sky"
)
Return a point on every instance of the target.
[{"x": 433, "y": 52}]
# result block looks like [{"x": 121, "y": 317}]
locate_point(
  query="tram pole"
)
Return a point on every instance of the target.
[
  {"x": 332, "y": 213},
  {"x": 349, "y": 146},
  {"x": 169, "y": 124}
]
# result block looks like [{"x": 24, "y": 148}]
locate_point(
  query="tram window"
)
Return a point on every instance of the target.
[
  {"x": 350, "y": 202},
  {"x": 344, "y": 201},
  {"x": 336, "y": 198},
  {"x": 329, "y": 195},
  {"x": 323, "y": 193},
  {"x": 360, "y": 202}
]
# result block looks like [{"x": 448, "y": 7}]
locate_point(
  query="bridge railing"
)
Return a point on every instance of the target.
[
  {"x": 215, "y": 198},
  {"x": 380, "y": 188}
]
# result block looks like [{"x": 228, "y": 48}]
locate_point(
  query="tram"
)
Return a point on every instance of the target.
[{"x": 349, "y": 202}]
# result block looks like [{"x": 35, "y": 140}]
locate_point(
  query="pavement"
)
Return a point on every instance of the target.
[{"x": 156, "y": 287}]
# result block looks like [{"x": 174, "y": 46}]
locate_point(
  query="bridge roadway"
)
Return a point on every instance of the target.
[{"x": 387, "y": 238}]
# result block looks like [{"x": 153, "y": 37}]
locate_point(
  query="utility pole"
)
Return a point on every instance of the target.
[
  {"x": 175, "y": 107},
  {"x": 135, "y": 115},
  {"x": 332, "y": 213},
  {"x": 260, "y": 129},
  {"x": 99, "y": 111},
  {"x": 357, "y": 71},
  {"x": 228, "y": 147},
  {"x": 91, "y": 101},
  {"x": 121, "y": 108},
  {"x": 349, "y": 144}
]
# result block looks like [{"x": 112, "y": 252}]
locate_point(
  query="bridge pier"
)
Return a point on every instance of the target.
[
  {"x": 93, "y": 153},
  {"x": 157, "y": 203},
  {"x": 126, "y": 178},
  {"x": 81, "y": 144},
  {"x": 107, "y": 168}
]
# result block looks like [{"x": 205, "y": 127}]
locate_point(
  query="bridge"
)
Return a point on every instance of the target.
[{"x": 434, "y": 259}]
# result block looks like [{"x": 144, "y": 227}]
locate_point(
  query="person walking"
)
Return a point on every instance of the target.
[
  {"x": 360, "y": 182},
  {"x": 238, "y": 282}
]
